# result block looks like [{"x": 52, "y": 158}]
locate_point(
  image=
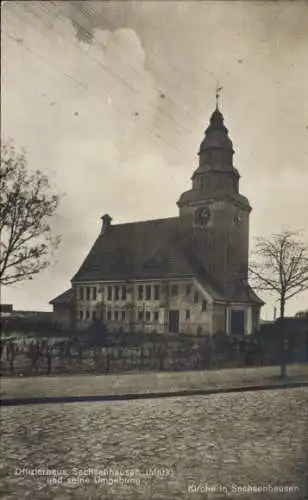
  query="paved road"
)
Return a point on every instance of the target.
[{"x": 158, "y": 449}]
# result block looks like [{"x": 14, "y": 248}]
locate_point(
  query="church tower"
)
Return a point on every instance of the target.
[{"x": 214, "y": 212}]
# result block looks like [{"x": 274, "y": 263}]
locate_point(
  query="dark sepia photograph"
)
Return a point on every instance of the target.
[{"x": 154, "y": 250}]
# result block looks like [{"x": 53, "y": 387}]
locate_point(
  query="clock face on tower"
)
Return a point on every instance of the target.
[{"x": 202, "y": 215}]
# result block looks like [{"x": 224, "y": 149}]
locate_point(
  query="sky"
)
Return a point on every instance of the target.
[{"x": 111, "y": 100}]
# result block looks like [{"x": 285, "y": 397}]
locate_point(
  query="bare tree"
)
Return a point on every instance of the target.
[
  {"x": 26, "y": 206},
  {"x": 280, "y": 265}
]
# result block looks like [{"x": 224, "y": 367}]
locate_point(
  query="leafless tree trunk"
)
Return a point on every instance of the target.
[{"x": 280, "y": 266}]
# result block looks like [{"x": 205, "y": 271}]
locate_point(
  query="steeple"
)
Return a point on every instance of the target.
[
  {"x": 216, "y": 149},
  {"x": 214, "y": 215},
  {"x": 216, "y": 177}
]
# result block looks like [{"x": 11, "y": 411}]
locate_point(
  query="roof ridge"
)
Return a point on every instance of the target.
[{"x": 145, "y": 221}]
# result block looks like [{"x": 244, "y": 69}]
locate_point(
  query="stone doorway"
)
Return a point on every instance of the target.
[
  {"x": 174, "y": 321},
  {"x": 238, "y": 319}
]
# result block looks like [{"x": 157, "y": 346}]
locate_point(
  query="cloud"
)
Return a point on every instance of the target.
[
  {"x": 83, "y": 94},
  {"x": 76, "y": 114}
]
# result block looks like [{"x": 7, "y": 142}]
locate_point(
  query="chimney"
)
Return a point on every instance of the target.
[{"x": 106, "y": 223}]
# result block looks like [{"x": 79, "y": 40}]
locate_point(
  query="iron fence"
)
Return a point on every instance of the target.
[{"x": 53, "y": 356}]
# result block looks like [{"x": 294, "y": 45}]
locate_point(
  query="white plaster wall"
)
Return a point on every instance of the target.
[{"x": 132, "y": 305}]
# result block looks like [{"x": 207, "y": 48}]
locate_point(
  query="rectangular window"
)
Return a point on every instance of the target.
[
  {"x": 94, "y": 293},
  {"x": 123, "y": 315},
  {"x": 155, "y": 315},
  {"x": 123, "y": 292},
  {"x": 148, "y": 292},
  {"x": 80, "y": 314},
  {"x": 187, "y": 314},
  {"x": 81, "y": 293},
  {"x": 116, "y": 293},
  {"x": 174, "y": 290},
  {"x": 109, "y": 315},
  {"x": 147, "y": 315},
  {"x": 87, "y": 314},
  {"x": 140, "y": 292},
  {"x": 116, "y": 315},
  {"x": 109, "y": 293},
  {"x": 156, "y": 292},
  {"x": 93, "y": 315},
  {"x": 88, "y": 291},
  {"x": 188, "y": 290},
  {"x": 196, "y": 297},
  {"x": 204, "y": 305},
  {"x": 140, "y": 315}
]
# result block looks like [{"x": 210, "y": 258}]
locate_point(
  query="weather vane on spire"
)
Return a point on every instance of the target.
[{"x": 218, "y": 91}]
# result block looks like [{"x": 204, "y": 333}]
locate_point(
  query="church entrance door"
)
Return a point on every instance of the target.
[
  {"x": 174, "y": 321},
  {"x": 238, "y": 323}
]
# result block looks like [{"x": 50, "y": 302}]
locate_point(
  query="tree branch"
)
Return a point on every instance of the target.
[
  {"x": 27, "y": 204},
  {"x": 281, "y": 265}
]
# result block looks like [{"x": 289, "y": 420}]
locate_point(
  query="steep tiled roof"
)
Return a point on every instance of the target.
[
  {"x": 150, "y": 250},
  {"x": 203, "y": 276},
  {"x": 64, "y": 298},
  {"x": 135, "y": 250},
  {"x": 144, "y": 250},
  {"x": 240, "y": 291}
]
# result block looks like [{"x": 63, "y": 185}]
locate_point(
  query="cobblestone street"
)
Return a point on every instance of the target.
[{"x": 158, "y": 449}]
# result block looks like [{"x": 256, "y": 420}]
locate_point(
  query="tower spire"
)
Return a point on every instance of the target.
[{"x": 218, "y": 90}]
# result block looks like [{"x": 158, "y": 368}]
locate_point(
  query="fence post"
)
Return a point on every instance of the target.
[
  {"x": 141, "y": 359},
  {"x": 48, "y": 356},
  {"x": 284, "y": 355}
]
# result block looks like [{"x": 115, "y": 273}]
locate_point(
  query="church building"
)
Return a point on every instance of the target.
[{"x": 186, "y": 274}]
